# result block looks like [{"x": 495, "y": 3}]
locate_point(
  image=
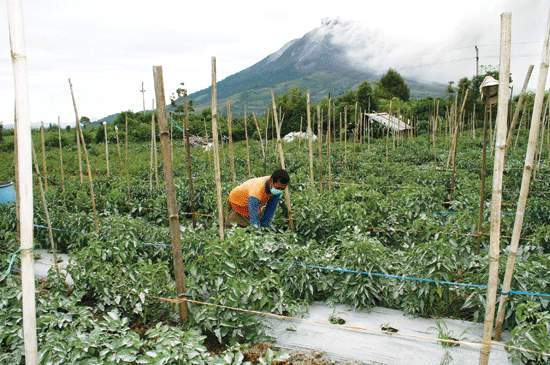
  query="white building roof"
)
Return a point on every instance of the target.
[{"x": 393, "y": 122}]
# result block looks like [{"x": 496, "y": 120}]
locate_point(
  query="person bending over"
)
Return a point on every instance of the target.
[{"x": 244, "y": 206}]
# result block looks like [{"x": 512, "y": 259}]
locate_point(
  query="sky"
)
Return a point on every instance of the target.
[{"x": 108, "y": 48}]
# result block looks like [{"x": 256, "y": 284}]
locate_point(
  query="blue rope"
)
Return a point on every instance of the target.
[
  {"x": 177, "y": 126},
  {"x": 157, "y": 244},
  {"x": 13, "y": 258},
  {"x": 57, "y": 229}
]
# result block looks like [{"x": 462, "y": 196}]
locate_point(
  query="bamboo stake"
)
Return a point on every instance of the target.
[
  {"x": 189, "y": 167},
  {"x": 24, "y": 177},
  {"x": 328, "y": 152},
  {"x": 247, "y": 147},
  {"x": 61, "y": 160},
  {"x": 282, "y": 156},
  {"x": 118, "y": 150},
  {"x": 259, "y": 134},
  {"x": 231, "y": 156},
  {"x": 44, "y": 155},
  {"x": 340, "y": 127},
  {"x": 494, "y": 251},
  {"x": 435, "y": 133},
  {"x": 152, "y": 157},
  {"x": 524, "y": 191},
  {"x": 300, "y": 138},
  {"x": 265, "y": 156},
  {"x": 216, "y": 154},
  {"x": 518, "y": 108},
  {"x": 388, "y": 133},
  {"x": 483, "y": 176},
  {"x": 155, "y": 145},
  {"x": 539, "y": 151},
  {"x": 208, "y": 151},
  {"x": 77, "y": 134},
  {"x": 346, "y": 136},
  {"x": 310, "y": 139},
  {"x": 127, "y": 165},
  {"x": 455, "y": 143},
  {"x": 320, "y": 144},
  {"x": 106, "y": 148},
  {"x": 355, "y": 132},
  {"x": 90, "y": 180},
  {"x": 171, "y": 201},
  {"x": 46, "y": 212},
  {"x": 453, "y": 136},
  {"x": 519, "y": 128}
]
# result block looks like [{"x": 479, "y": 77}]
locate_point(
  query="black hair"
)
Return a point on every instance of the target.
[{"x": 280, "y": 176}]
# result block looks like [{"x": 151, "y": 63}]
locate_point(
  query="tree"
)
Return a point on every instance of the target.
[
  {"x": 365, "y": 97},
  {"x": 1, "y": 132},
  {"x": 392, "y": 84},
  {"x": 86, "y": 122}
]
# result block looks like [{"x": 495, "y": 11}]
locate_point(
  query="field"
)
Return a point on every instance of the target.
[{"x": 355, "y": 240}]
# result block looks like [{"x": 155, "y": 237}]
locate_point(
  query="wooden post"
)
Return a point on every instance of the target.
[
  {"x": 155, "y": 146},
  {"x": 44, "y": 155},
  {"x": 455, "y": 142},
  {"x": 171, "y": 201},
  {"x": 118, "y": 150},
  {"x": 24, "y": 177},
  {"x": 310, "y": 139},
  {"x": 189, "y": 168},
  {"x": 328, "y": 152},
  {"x": 90, "y": 180},
  {"x": 231, "y": 155},
  {"x": 320, "y": 145},
  {"x": 435, "y": 133},
  {"x": 216, "y": 154},
  {"x": 282, "y": 157},
  {"x": 61, "y": 160},
  {"x": 78, "y": 128},
  {"x": 106, "y": 148},
  {"x": 482, "y": 192},
  {"x": 152, "y": 156},
  {"x": 207, "y": 139},
  {"x": 127, "y": 165},
  {"x": 346, "y": 137},
  {"x": 524, "y": 191},
  {"x": 494, "y": 251},
  {"x": 259, "y": 134},
  {"x": 45, "y": 205},
  {"x": 247, "y": 146},
  {"x": 518, "y": 108}
]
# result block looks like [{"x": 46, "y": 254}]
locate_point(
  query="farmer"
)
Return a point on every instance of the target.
[{"x": 246, "y": 200}]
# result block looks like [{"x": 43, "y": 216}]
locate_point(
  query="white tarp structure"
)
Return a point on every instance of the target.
[{"x": 396, "y": 124}]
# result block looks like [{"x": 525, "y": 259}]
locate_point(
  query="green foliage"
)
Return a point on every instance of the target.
[
  {"x": 532, "y": 332},
  {"x": 391, "y": 85}
]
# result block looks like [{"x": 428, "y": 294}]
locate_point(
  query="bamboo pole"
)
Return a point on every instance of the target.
[
  {"x": 282, "y": 157},
  {"x": 155, "y": 145},
  {"x": 189, "y": 167},
  {"x": 328, "y": 152},
  {"x": 44, "y": 155},
  {"x": 483, "y": 176},
  {"x": 24, "y": 177},
  {"x": 539, "y": 151},
  {"x": 231, "y": 155},
  {"x": 259, "y": 134},
  {"x": 90, "y": 180},
  {"x": 106, "y": 148},
  {"x": 265, "y": 156},
  {"x": 494, "y": 251},
  {"x": 453, "y": 135},
  {"x": 171, "y": 201},
  {"x": 152, "y": 157},
  {"x": 435, "y": 132},
  {"x": 310, "y": 139},
  {"x": 340, "y": 127},
  {"x": 61, "y": 160},
  {"x": 455, "y": 143},
  {"x": 45, "y": 205},
  {"x": 346, "y": 136},
  {"x": 216, "y": 154},
  {"x": 300, "y": 138},
  {"x": 208, "y": 150},
  {"x": 519, "y": 127},
  {"x": 354, "y": 139},
  {"x": 518, "y": 108},
  {"x": 77, "y": 134},
  {"x": 127, "y": 165},
  {"x": 247, "y": 146},
  {"x": 320, "y": 146},
  {"x": 388, "y": 133},
  {"x": 524, "y": 191},
  {"x": 118, "y": 150}
]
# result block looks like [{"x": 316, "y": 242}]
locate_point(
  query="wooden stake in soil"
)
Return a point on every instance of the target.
[
  {"x": 127, "y": 165},
  {"x": 171, "y": 201},
  {"x": 106, "y": 148},
  {"x": 310, "y": 139},
  {"x": 155, "y": 146},
  {"x": 328, "y": 152},
  {"x": 455, "y": 143},
  {"x": 152, "y": 156},
  {"x": 388, "y": 134},
  {"x": 216, "y": 154},
  {"x": 346, "y": 136},
  {"x": 118, "y": 150},
  {"x": 90, "y": 180},
  {"x": 24, "y": 177},
  {"x": 44, "y": 156},
  {"x": 494, "y": 251},
  {"x": 247, "y": 147},
  {"x": 78, "y": 128},
  {"x": 231, "y": 156},
  {"x": 46, "y": 212},
  {"x": 61, "y": 160},
  {"x": 482, "y": 192},
  {"x": 529, "y": 158},
  {"x": 189, "y": 168},
  {"x": 259, "y": 135},
  {"x": 282, "y": 156},
  {"x": 320, "y": 144}
]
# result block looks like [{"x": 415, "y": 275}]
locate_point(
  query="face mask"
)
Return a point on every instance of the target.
[{"x": 276, "y": 191}]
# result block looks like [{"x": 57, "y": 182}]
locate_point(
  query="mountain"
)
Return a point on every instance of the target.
[{"x": 319, "y": 61}]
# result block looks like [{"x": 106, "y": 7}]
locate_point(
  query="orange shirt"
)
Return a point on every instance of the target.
[{"x": 238, "y": 198}]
